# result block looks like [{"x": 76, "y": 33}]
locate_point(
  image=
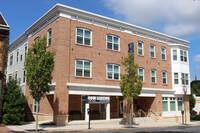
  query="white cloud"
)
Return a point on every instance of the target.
[
  {"x": 197, "y": 58},
  {"x": 176, "y": 17}
]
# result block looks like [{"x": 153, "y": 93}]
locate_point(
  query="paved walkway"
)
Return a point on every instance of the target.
[{"x": 94, "y": 126}]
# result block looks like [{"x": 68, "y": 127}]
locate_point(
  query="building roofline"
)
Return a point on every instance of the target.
[
  {"x": 60, "y": 8},
  {"x": 4, "y": 20}
]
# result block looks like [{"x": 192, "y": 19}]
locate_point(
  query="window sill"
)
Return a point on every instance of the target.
[
  {"x": 140, "y": 55},
  {"x": 83, "y": 77},
  {"x": 88, "y": 46},
  {"x": 164, "y": 84},
  {"x": 113, "y": 79},
  {"x": 118, "y": 51},
  {"x": 153, "y": 58}
]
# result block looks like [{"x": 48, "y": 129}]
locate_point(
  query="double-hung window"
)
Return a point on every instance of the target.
[
  {"x": 113, "y": 71},
  {"x": 184, "y": 77},
  {"x": 49, "y": 37},
  {"x": 11, "y": 60},
  {"x": 152, "y": 51},
  {"x": 141, "y": 74},
  {"x": 140, "y": 48},
  {"x": 165, "y": 103},
  {"x": 175, "y": 55},
  {"x": 83, "y": 36},
  {"x": 180, "y": 103},
  {"x": 17, "y": 59},
  {"x": 163, "y": 53},
  {"x": 83, "y": 68},
  {"x": 176, "y": 78},
  {"x": 112, "y": 42},
  {"x": 153, "y": 76},
  {"x": 183, "y": 55},
  {"x": 172, "y": 104},
  {"x": 25, "y": 51},
  {"x": 24, "y": 78},
  {"x": 164, "y": 77}
]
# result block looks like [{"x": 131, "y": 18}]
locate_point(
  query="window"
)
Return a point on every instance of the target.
[
  {"x": 16, "y": 75},
  {"x": 176, "y": 78},
  {"x": 113, "y": 42},
  {"x": 36, "y": 39},
  {"x": 11, "y": 60},
  {"x": 172, "y": 104},
  {"x": 164, "y": 77},
  {"x": 165, "y": 103},
  {"x": 153, "y": 76},
  {"x": 183, "y": 55},
  {"x": 9, "y": 77},
  {"x": 140, "y": 48},
  {"x": 49, "y": 38},
  {"x": 25, "y": 49},
  {"x": 83, "y": 68},
  {"x": 131, "y": 48},
  {"x": 35, "y": 106},
  {"x": 83, "y": 36},
  {"x": 175, "y": 55},
  {"x": 141, "y": 74},
  {"x": 17, "y": 59},
  {"x": 184, "y": 77},
  {"x": 152, "y": 51},
  {"x": 180, "y": 103},
  {"x": 163, "y": 53},
  {"x": 102, "y": 107},
  {"x": 83, "y": 103},
  {"x": 24, "y": 78},
  {"x": 113, "y": 71},
  {"x": 21, "y": 57}
]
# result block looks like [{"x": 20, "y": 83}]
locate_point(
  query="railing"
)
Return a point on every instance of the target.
[
  {"x": 155, "y": 114},
  {"x": 140, "y": 113}
]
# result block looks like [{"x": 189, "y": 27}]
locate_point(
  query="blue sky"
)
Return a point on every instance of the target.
[{"x": 179, "y": 18}]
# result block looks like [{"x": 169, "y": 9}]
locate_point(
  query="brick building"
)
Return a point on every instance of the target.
[{"x": 89, "y": 51}]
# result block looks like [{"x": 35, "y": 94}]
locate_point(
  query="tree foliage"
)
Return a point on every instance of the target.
[
  {"x": 195, "y": 87},
  {"x": 13, "y": 104},
  {"x": 130, "y": 84},
  {"x": 39, "y": 65},
  {"x": 192, "y": 101}
]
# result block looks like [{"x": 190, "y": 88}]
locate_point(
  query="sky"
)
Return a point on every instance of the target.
[{"x": 179, "y": 18}]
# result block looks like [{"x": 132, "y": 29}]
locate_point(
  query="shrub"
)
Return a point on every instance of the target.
[
  {"x": 13, "y": 104},
  {"x": 196, "y": 117}
]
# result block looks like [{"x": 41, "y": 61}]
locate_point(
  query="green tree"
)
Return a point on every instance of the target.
[
  {"x": 130, "y": 84},
  {"x": 39, "y": 65},
  {"x": 195, "y": 87},
  {"x": 13, "y": 104},
  {"x": 192, "y": 101}
]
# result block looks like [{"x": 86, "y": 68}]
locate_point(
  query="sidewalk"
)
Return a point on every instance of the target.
[{"x": 94, "y": 126}]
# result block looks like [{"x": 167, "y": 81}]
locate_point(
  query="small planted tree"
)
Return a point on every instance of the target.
[
  {"x": 39, "y": 65},
  {"x": 13, "y": 104},
  {"x": 130, "y": 84}
]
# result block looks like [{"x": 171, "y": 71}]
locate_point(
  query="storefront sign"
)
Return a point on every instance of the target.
[{"x": 98, "y": 99}]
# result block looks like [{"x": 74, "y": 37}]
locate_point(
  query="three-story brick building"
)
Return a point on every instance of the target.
[{"x": 89, "y": 51}]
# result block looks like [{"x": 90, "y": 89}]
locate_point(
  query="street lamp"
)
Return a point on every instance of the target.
[{"x": 184, "y": 95}]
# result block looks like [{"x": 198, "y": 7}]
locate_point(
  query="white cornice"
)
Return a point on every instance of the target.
[{"x": 70, "y": 12}]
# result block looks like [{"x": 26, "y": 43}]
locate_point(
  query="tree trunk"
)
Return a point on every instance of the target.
[
  {"x": 37, "y": 115},
  {"x": 130, "y": 122}
]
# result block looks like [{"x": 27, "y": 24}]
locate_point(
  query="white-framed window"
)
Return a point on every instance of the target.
[
  {"x": 141, "y": 74},
  {"x": 25, "y": 50},
  {"x": 152, "y": 51},
  {"x": 153, "y": 76},
  {"x": 165, "y": 103},
  {"x": 83, "y": 36},
  {"x": 24, "y": 77},
  {"x": 183, "y": 55},
  {"x": 180, "y": 103},
  {"x": 164, "y": 77},
  {"x": 112, "y": 42},
  {"x": 175, "y": 55},
  {"x": 140, "y": 48},
  {"x": 83, "y": 68},
  {"x": 163, "y": 53},
  {"x": 184, "y": 78},
  {"x": 17, "y": 57},
  {"x": 172, "y": 104},
  {"x": 11, "y": 59},
  {"x": 35, "y": 106},
  {"x": 176, "y": 79},
  {"x": 36, "y": 39},
  {"x": 83, "y": 101},
  {"x": 21, "y": 56},
  {"x": 9, "y": 77},
  {"x": 113, "y": 71},
  {"x": 16, "y": 75},
  {"x": 49, "y": 37},
  {"x": 102, "y": 108}
]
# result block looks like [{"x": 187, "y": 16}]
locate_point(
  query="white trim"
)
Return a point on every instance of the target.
[
  {"x": 84, "y": 29},
  {"x": 112, "y": 35},
  {"x": 112, "y": 71},
  {"x": 142, "y": 48},
  {"x": 151, "y": 76},
  {"x": 4, "y": 21},
  {"x": 154, "y": 50},
  {"x": 83, "y": 68}
]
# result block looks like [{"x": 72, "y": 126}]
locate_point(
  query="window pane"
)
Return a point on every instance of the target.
[
  {"x": 80, "y": 40},
  {"x": 180, "y": 105},
  {"x": 140, "y": 51},
  {"x": 87, "y": 41},
  {"x": 165, "y": 106},
  {"x": 175, "y": 55},
  {"x": 83, "y": 106},
  {"x": 164, "y": 74},
  {"x": 79, "y": 64},
  {"x": 140, "y": 71},
  {"x": 172, "y": 106},
  {"x": 153, "y": 74},
  {"x": 80, "y": 32},
  {"x": 86, "y": 73},
  {"x": 109, "y": 38},
  {"x": 152, "y": 54},
  {"x": 164, "y": 81},
  {"x": 87, "y": 33},
  {"x": 109, "y": 45},
  {"x": 87, "y": 65},
  {"x": 109, "y": 67},
  {"x": 116, "y": 47},
  {"x": 140, "y": 45},
  {"x": 153, "y": 80},
  {"x": 103, "y": 108},
  {"x": 109, "y": 75},
  {"x": 78, "y": 72},
  {"x": 116, "y": 68},
  {"x": 116, "y": 40},
  {"x": 116, "y": 75}
]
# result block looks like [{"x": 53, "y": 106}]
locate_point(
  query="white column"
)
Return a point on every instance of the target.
[
  {"x": 108, "y": 111},
  {"x": 87, "y": 105}
]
